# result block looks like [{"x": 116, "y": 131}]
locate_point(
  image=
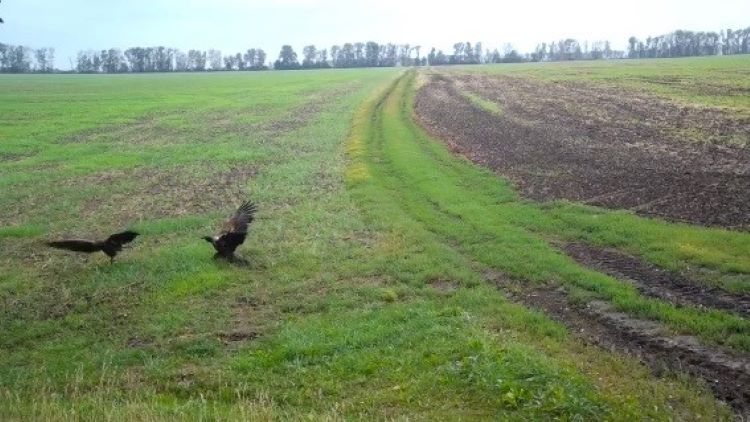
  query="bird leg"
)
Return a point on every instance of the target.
[
  {"x": 232, "y": 259},
  {"x": 239, "y": 261}
]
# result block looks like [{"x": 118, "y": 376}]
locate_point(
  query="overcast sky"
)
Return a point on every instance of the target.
[{"x": 235, "y": 25}]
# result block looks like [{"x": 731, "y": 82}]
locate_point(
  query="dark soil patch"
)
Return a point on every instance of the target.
[
  {"x": 167, "y": 192},
  {"x": 238, "y": 335},
  {"x": 596, "y": 322},
  {"x": 251, "y": 316},
  {"x": 656, "y": 282},
  {"x": 8, "y": 157},
  {"x": 605, "y": 147},
  {"x": 444, "y": 286},
  {"x": 304, "y": 114},
  {"x": 140, "y": 342}
]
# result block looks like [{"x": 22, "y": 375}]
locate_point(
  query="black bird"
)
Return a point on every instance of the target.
[
  {"x": 111, "y": 246},
  {"x": 234, "y": 233}
]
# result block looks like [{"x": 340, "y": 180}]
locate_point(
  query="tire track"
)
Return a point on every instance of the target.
[{"x": 656, "y": 282}]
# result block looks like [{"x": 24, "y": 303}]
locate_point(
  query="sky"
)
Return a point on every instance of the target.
[{"x": 235, "y": 25}]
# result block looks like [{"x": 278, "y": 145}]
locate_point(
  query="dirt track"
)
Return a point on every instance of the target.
[
  {"x": 656, "y": 282},
  {"x": 598, "y": 145},
  {"x": 728, "y": 376}
]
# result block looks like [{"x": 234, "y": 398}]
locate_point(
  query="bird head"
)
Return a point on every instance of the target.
[{"x": 208, "y": 239}]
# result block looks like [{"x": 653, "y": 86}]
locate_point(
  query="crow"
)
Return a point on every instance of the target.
[
  {"x": 111, "y": 246},
  {"x": 234, "y": 233}
]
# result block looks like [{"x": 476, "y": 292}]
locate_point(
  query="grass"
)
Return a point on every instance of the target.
[
  {"x": 482, "y": 103},
  {"x": 366, "y": 295}
]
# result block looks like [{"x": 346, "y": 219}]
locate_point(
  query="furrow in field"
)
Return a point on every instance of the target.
[
  {"x": 656, "y": 282},
  {"x": 728, "y": 376}
]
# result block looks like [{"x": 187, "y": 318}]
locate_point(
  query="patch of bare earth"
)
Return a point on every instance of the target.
[
  {"x": 8, "y": 157},
  {"x": 149, "y": 130},
  {"x": 599, "y": 145},
  {"x": 444, "y": 286},
  {"x": 250, "y": 315},
  {"x": 171, "y": 192},
  {"x": 728, "y": 375}
]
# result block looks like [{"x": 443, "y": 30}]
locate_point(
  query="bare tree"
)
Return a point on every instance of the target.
[
  {"x": 310, "y": 55},
  {"x": 44, "y": 59},
  {"x": 214, "y": 59},
  {"x": 372, "y": 52},
  {"x": 404, "y": 53},
  {"x": 180, "y": 61},
  {"x": 196, "y": 60},
  {"x": 287, "y": 59},
  {"x": 323, "y": 58},
  {"x": 260, "y": 59}
]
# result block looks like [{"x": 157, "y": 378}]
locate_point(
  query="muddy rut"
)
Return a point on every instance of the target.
[
  {"x": 657, "y": 282},
  {"x": 598, "y": 145},
  {"x": 727, "y": 375}
]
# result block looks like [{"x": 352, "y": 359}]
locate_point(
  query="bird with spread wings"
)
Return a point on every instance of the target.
[
  {"x": 233, "y": 233},
  {"x": 110, "y": 246}
]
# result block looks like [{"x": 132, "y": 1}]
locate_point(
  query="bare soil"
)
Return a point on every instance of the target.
[
  {"x": 599, "y": 145},
  {"x": 251, "y": 316},
  {"x": 728, "y": 376}
]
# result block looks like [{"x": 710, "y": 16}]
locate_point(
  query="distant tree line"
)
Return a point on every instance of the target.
[
  {"x": 164, "y": 59},
  {"x": 358, "y": 54},
  {"x": 463, "y": 53},
  {"x": 19, "y": 59},
  {"x": 571, "y": 49},
  {"x": 689, "y": 43}
]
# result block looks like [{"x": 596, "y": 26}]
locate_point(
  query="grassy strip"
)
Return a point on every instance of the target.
[{"x": 482, "y": 103}]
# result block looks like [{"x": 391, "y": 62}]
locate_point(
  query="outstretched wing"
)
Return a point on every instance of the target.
[
  {"x": 122, "y": 238},
  {"x": 228, "y": 242},
  {"x": 76, "y": 245},
  {"x": 239, "y": 221}
]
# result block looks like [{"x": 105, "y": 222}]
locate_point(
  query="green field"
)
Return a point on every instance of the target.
[{"x": 371, "y": 291}]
